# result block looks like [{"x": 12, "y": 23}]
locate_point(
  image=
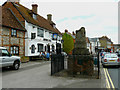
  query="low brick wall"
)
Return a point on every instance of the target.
[
  {"x": 24, "y": 59},
  {"x": 80, "y": 64}
]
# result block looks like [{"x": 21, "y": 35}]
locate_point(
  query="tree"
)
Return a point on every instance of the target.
[{"x": 68, "y": 43}]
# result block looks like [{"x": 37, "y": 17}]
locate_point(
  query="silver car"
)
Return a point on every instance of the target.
[
  {"x": 111, "y": 59},
  {"x": 7, "y": 60}
]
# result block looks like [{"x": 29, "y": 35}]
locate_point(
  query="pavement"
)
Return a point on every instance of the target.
[
  {"x": 72, "y": 82},
  {"x": 33, "y": 63}
]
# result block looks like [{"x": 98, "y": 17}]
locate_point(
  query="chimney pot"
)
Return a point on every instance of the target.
[
  {"x": 66, "y": 30},
  {"x": 49, "y": 17},
  {"x": 34, "y": 8}
]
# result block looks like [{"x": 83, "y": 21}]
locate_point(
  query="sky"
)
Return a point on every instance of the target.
[{"x": 99, "y": 17}]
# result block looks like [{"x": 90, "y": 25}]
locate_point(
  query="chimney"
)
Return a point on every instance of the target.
[
  {"x": 49, "y": 17},
  {"x": 66, "y": 30},
  {"x": 15, "y": 1},
  {"x": 34, "y": 8},
  {"x": 73, "y": 33}
]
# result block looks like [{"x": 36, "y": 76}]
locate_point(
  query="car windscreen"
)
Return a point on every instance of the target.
[{"x": 111, "y": 56}]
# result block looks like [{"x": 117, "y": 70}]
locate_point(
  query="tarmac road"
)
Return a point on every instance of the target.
[
  {"x": 38, "y": 76},
  {"x": 114, "y": 73}
]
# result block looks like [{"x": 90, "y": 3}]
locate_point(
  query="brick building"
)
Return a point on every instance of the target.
[
  {"x": 27, "y": 31},
  {"x": 12, "y": 32},
  {"x": 106, "y": 43}
]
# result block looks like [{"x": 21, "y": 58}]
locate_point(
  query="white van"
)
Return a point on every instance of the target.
[{"x": 7, "y": 60}]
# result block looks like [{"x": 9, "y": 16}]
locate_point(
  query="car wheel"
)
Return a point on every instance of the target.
[{"x": 16, "y": 65}]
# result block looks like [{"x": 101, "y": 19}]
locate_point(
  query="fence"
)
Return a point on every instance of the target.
[{"x": 57, "y": 63}]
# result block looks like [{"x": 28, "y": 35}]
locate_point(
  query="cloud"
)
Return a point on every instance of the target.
[
  {"x": 111, "y": 28},
  {"x": 62, "y": 20},
  {"x": 83, "y": 17}
]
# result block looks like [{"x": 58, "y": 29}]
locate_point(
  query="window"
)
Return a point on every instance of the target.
[
  {"x": 40, "y": 32},
  {"x": 46, "y": 34},
  {"x": 33, "y": 49},
  {"x": 33, "y": 35},
  {"x": 54, "y": 26},
  {"x": 14, "y": 50},
  {"x": 14, "y": 33},
  {"x": 111, "y": 56},
  {"x": 40, "y": 47},
  {"x": 34, "y": 16},
  {"x": 5, "y": 52},
  {"x": 51, "y": 35}
]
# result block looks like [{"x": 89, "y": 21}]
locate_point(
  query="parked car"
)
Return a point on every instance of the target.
[
  {"x": 7, "y": 60},
  {"x": 118, "y": 53},
  {"x": 111, "y": 59}
]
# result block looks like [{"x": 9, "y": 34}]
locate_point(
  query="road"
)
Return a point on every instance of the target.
[
  {"x": 114, "y": 73},
  {"x": 38, "y": 76}
]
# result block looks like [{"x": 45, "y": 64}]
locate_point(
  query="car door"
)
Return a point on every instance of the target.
[
  {"x": 0, "y": 58},
  {"x": 6, "y": 58}
]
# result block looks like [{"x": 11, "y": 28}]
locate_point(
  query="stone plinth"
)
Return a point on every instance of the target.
[{"x": 82, "y": 64}]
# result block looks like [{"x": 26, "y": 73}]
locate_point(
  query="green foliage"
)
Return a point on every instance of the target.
[{"x": 68, "y": 43}]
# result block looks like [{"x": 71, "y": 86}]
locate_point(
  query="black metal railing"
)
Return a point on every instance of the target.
[{"x": 57, "y": 63}]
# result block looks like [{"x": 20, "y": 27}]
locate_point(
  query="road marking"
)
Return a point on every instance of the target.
[
  {"x": 110, "y": 79},
  {"x": 108, "y": 84}
]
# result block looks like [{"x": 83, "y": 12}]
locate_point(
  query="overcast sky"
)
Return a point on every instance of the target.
[{"x": 99, "y": 17}]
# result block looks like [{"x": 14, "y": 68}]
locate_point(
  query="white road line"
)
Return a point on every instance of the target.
[
  {"x": 108, "y": 84},
  {"x": 110, "y": 79}
]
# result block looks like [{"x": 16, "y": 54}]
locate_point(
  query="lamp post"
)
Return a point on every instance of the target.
[{"x": 98, "y": 63}]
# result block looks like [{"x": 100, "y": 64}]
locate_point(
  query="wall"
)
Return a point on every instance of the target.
[
  {"x": 8, "y": 41},
  {"x": 38, "y": 40},
  {"x": 103, "y": 43}
]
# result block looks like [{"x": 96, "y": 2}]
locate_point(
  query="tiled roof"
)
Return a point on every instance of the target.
[
  {"x": 42, "y": 22},
  {"x": 10, "y": 20},
  {"x": 105, "y": 37}
]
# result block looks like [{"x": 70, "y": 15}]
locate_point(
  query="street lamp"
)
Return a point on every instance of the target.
[{"x": 98, "y": 64}]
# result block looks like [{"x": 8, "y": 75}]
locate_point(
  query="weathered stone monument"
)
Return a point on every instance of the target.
[
  {"x": 80, "y": 46},
  {"x": 81, "y": 61}
]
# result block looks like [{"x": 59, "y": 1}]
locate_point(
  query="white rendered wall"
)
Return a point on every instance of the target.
[{"x": 38, "y": 40}]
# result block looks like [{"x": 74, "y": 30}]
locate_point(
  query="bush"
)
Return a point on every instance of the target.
[{"x": 68, "y": 43}]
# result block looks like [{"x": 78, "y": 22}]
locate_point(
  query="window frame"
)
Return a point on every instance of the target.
[
  {"x": 13, "y": 50},
  {"x": 40, "y": 32},
  {"x": 13, "y": 33},
  {"x": 33, "y": 35},
  {"x": 39, "y": 47},
  {"x": 32, "y": 49}
]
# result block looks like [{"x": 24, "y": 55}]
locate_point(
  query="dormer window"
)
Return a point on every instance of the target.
[
  {"x": 35, "y": 16},
  {"x": 54, "y": 26}
]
